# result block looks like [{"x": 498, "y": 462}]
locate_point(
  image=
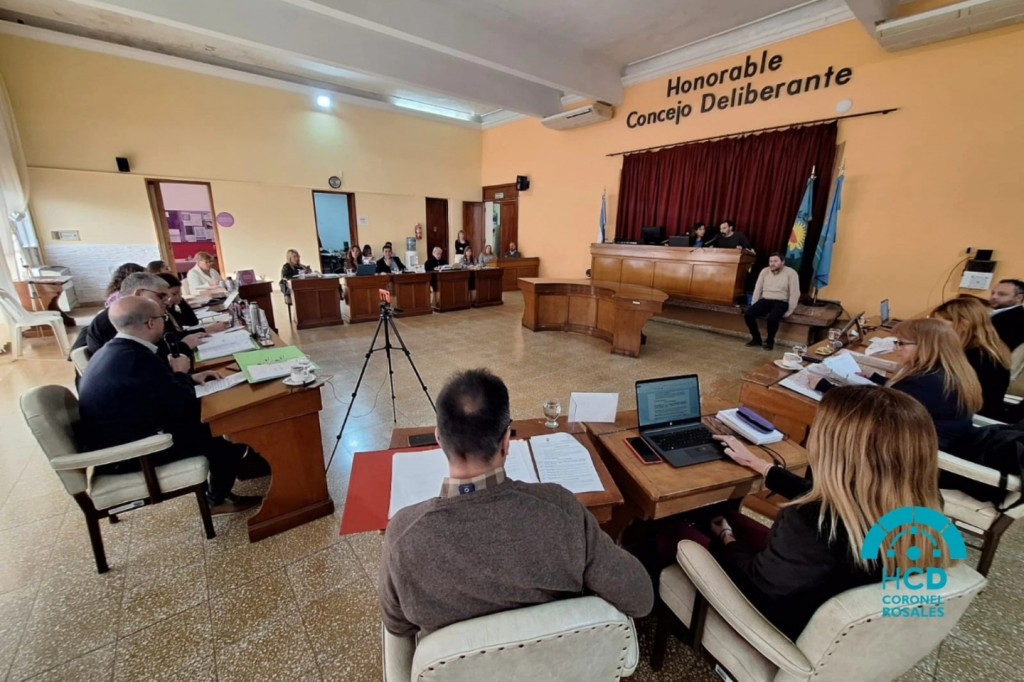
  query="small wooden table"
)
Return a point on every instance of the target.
[
  {"x": 600, "y": 503},
  {"x": 608, "y": 310},
  {"x": 656, "y": 491},
  {"x": 259, "y": 293},
  {"x": 412, "y": 293},
  {"x": 317, "y": 301},
  {"x": 283, "y": 425},
  {"x": 451, "y": 289},
  {"x": 487, "y": 282},
  {"x": 364, "y": 296}
]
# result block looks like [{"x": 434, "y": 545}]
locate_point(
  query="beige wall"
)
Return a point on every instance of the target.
[
  {"x": 941, "y": 174},
  {"x": 263, "y": 150}
]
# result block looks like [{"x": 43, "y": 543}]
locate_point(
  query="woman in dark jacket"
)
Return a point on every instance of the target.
[
  {"x": 985, "y": 351},
  {"x": 934, "y": 370},
  {"x": 813, "y": 551}
]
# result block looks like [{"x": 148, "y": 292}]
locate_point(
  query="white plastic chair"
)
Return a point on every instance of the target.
[{"x": 18, "y": 318}]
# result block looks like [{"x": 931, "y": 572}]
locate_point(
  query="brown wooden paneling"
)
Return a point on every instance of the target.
[
  {"x": 488, "y": 286},
  {"x": 638, "y": 272},
  {"x": 672, "y": 277},
  {"x": 412, "y": 293},
  {"x": 606, "y": 269},
  {"x": 508, "y": 192},
  {"x": 317, "y": 302},
  {"x": 473, "y": 226},
  {"x": 364, "y": 297},
  {"x": 436, "y": 226},
  {"x": 552, "y": 311},
  {"x": 509, "y": 225},
  {"x": 582, "y": 311},
  {"x": 515, "y": 268},
  {"x": 452, "y": 290}
]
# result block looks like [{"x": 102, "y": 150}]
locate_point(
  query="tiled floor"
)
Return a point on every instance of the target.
[{"x": 302, "y": 605}]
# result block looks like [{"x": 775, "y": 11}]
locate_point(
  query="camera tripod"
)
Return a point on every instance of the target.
[{"x": 387, "y": 323}]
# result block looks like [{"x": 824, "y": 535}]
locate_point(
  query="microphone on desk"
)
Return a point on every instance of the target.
[{"x": 707, "y": 243}]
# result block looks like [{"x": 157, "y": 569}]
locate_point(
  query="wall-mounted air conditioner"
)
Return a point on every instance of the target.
[{"x": 584, "y": 116}]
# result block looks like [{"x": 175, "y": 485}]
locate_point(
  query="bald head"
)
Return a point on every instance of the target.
[{"x": 138, "y": 316}]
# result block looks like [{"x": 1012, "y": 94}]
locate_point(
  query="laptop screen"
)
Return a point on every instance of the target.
[
  {"x": 668, "y": 401},
  {"x": 885, "y": 311}
]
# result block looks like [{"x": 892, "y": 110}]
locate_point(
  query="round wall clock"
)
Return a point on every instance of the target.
[{"x": 334, "y": 181}]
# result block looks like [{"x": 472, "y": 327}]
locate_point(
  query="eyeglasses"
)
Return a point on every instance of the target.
[
  {"x": 900, "y": 343},
  {"x": 163, "y": 296}
]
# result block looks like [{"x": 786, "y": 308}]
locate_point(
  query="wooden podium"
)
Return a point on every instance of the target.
[
  {"x": 451, "y": 290},
  {"x": 412, "y": 293},
  {"x": 317, "y": 301},
  {"x": 364, "y": 296},
  {"x": 488, "y": 287},
  {"x": 283, "y": 425},
  {"x": 706, "y": 275}
]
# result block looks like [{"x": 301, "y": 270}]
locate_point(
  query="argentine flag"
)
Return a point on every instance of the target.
[{"x": 604, "y": 217}]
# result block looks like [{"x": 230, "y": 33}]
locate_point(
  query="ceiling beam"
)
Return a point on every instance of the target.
[
  {"x": 290, "y": 30},
  {"x": 872, "y": 12},
  {"x": 490, "y": 38}
]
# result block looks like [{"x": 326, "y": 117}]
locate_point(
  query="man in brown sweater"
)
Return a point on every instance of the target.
[
  {"x": 489, "y": 543},
  {"x": 776, "y": 295}
]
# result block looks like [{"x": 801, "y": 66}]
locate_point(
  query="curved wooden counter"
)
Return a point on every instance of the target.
[{"x": 608, "y": 310}]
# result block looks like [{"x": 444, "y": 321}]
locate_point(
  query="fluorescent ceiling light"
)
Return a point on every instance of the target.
[
  {"x": 433, "y": 109},
  {"x": 323, "y": 101}
]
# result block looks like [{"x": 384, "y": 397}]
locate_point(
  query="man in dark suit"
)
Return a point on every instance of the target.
[
  {"x": 128, "y": 392},
  {"x": 389, "y": 263},
  {"x": 1008, "y": 314}
]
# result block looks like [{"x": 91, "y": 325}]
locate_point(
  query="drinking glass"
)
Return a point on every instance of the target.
[
  {"x": 552, "y": 409},
  {"x": 833, "y": 334},
  {"x": 800, "y": 349}
]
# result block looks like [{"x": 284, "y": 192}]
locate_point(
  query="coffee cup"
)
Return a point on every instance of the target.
[
  {"x": 298, "y": 375},
  {"x": 791, "y": 359}
]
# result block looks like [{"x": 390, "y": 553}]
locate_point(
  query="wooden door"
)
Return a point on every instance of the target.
[
  {"x": 473, "y": 226},
  {"x": 437, "y": 226},
  {"x": 509, "y": 226}
]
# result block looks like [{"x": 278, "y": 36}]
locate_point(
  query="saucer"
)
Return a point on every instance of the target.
[
  {"x": 288, "y": 381},
  {"x": 791, "y": 368}
]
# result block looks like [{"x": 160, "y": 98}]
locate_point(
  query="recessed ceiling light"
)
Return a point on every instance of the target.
[{"x": 323, "y": 101}]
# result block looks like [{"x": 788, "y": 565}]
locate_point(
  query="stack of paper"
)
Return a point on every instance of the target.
[
  {"x": 219, "y": 385},
  {"x": 223, "y": 344},
  {"x": 841, "y": 368},
  {"x": 269, "y": 363},
  {"x": 415, "y": 477},
  {"x": 519, "y": 463},
  {"x": 563, "y": 460}
]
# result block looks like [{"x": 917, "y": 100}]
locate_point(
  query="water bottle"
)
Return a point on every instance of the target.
[{"x": 254, "y": 320}]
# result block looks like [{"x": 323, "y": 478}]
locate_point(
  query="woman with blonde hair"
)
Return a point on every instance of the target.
[
  {"x": 872, "y": 450},
  {"x": 293, "y": 266},
  {"x": 934, "y": 369},
  {"x": 985, "y": 351}
]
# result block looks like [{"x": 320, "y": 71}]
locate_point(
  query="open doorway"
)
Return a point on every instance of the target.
[
  {"x": 183, "y": 213},
  {"x": 335, "y": 215},
  {"x": 437, "y": 226}
]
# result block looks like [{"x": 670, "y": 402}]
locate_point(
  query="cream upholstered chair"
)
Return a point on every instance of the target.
[
  {"x": 846, "y": 639},
  {"x": 19, "y": 318},
  {"x": 52, "y": 414},
  {"x": 572, "y": 640},
  {"x": 80, "y": 359}
]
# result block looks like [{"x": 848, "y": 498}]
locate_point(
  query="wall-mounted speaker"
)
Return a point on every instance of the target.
[
  {"x": 522, "y": 183},
  {"x": 122, "y": 164}
]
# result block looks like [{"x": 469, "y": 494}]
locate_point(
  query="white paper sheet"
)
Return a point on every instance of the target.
[
  {"x": 219, "y": 385},
  {"x": 226, "y": 343},
  {"x": 563, "y": 460},
  {"x": 801, "y": 383},
  {"x": 519, "y": 464},
  {"x": 880, "y": 345},
  {"x": 415, "y": 477},
  {"x": 272, "y": 370},
  {"x": 593, "y": 407},
  {"x": 845, "y": 365}
]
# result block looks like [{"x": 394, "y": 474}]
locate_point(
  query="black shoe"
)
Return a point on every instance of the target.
[
  {"x": 752, "y": 344},
  {"x": 234, "y": 504},
  {"x": 769, "y": 345}
]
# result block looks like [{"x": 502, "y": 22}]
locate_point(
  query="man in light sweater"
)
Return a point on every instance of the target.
[
  {"x": 488, "y": 543},
  {"x": 775, "y": 296}
]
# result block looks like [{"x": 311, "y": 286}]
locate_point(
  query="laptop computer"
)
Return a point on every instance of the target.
[
  {"x": 679, "y": 241},
  {"x": 668, "y": 413},
  {"x": 887, "y": 321},
  {"x": 366, "y": 269}
]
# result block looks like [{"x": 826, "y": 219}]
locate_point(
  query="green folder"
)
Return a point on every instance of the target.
[{"x": 269, "y": 356}]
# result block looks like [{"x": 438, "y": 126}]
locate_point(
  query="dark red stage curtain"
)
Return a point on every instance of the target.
[{"x": 756, "y": 180}]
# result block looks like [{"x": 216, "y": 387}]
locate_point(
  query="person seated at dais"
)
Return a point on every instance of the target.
[
  {"x": 353, "y": 258},
  {"x": 180, "y": 313},
  {"x": 812, "y": 551},
  {"x": 128, "y": 393},
  {"x": 513, "y": 251},
  {"x": 488, "y": 257},
  {"x": 293, "y": 266},
  {"x": 157, "y": 267},
  {"x": 729, "y": 238},
  {"x": 698, "y": 235},
  {"x": 389, "y": 263},
  {"x": 1007, "y": 301},
  {"x": 468, "y": 258},
  {"x": 368, "y": 258},
  {"x": 203, "y": 275},
  {"x": 436, "y": 260},
  {"x": 113, "y": 291},
  {"x": 488, "y": 543}
]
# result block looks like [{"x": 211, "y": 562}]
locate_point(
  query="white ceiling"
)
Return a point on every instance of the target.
[{"x": 472, "y": 60}]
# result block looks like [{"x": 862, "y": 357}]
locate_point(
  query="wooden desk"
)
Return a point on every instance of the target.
[
  {"x": 655, "y": 491},
  {"x": 600, "y": 504},
  {"x": 364, "y": 296},
  {"x": 317, "y": 301},
  {"x": 708, "y": 275},
  {"x": 451, "y": 289},
  {"x": 259, "y": 293},
  {"x": 791, "y": 412},
  {"x": 608, "y": 310},
  {"x": 488, "y": 285},
  {"x": 283, "y": 425},
  {"x": 515, "y": 268},
  {"x": 412, "y": 293}
]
